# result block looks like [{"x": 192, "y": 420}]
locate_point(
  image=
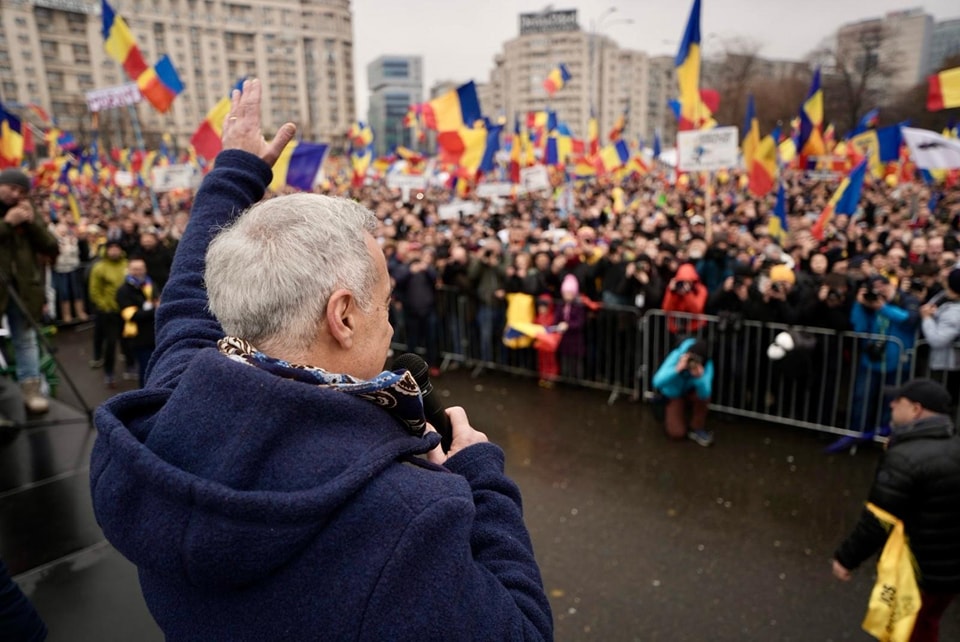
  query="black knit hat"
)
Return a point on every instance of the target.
[
  {"x": 953, "y": 280},
  {"x": 14, "y": 176},
  {"x": 926, "y": 392},
  {"x": 700, "y": 348}
]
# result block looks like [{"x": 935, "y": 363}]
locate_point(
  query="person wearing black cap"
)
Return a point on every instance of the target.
[
  {"x": 23, "y": 237},
  {"x": 106, "y": 277},
  {"x": 917, "y": 481},
  {"x": 941, "y": 329}
]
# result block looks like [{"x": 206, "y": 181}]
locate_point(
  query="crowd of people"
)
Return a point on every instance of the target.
[{"x": 649, "y": 242}]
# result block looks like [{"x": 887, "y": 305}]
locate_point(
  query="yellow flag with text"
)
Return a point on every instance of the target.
[{"x": 895, "y": 599}]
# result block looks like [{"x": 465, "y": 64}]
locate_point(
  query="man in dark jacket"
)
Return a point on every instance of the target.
[
  {"x": 917, "y": 481},
  {"x": 23, "y": 236},
  {"x": 136, "y": 299},
  {"x": 268, "y": 481}
]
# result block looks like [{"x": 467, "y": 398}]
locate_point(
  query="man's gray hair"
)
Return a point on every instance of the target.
[{"x": 270, "y": 274}]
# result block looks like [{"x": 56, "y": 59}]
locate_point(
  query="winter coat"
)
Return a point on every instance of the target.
[
  {"x": 693, "y": 302},
  {"x": 917, "y": 480},
  {"x": 673, "y": 384},
  {"x": 19, "y": 267},
  {"x": 137, "y": 310},
  {"x": 262, "y": 508},
  {"x": 942, "y": 331},
  {"x": 106, "y": 277}
]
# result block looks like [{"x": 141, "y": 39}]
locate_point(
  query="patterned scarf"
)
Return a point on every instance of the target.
[{"x": 395, "y": 392}]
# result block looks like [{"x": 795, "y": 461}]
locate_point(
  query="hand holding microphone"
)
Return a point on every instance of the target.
[{"x": 455, "y": 430}]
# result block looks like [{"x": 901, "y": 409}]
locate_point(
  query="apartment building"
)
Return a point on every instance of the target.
[{"x": 51, "y": 54}]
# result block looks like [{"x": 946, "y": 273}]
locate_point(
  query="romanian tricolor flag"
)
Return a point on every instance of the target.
[
  {"x": 160, "y": 84},
  {"x": 11, "y": 139},
  {"x": 361, "y": 150},
  {"x": 614, "y": 155},
  {"x": 559, "y": 147},
  {"x": 777, "y": 225},
  {"x": 206, "y": 140},
  {"x": 943, "y": 90},
  {"x": 810, "y": 142},
  {"x": 844, "y": 201},
  {"x": 616, "y": 133},
  {"x": 879, "y": 146},
  {"x": 763, "y": 169},
  {"x": 751, "y": 139},
  {"x": 556, "y": 79},
  {"x": 298, "y": 166},
  {"x": 457, "y": 108},
  {"x": 120, "y": 43},
  {"x": 694, "y": 112}
]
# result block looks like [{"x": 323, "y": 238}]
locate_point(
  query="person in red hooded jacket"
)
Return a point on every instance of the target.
[{"x": 685, "y": 293}]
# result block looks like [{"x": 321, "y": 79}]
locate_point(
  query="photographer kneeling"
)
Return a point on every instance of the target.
[{"x": 686, "y": 375}]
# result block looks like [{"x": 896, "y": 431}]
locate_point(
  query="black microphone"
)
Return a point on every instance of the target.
[{"x": 432, "y": 408}]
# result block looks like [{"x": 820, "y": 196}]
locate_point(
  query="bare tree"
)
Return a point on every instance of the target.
[
  {"x": 735, "y": 71},
  {"x": 855, "y": 71}
]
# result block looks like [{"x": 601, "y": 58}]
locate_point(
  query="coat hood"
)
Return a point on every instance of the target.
[
  {"x": 199, "y": 485},
  {"x": 687, "y": 272}
]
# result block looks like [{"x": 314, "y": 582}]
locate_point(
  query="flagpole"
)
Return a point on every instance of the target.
[{"x": 135, "y": 119}]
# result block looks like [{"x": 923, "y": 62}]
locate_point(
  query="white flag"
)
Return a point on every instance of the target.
[{"x": 930, "y": 150}]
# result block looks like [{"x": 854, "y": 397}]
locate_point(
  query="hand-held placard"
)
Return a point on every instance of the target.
[{"x": 432, "y": 408}]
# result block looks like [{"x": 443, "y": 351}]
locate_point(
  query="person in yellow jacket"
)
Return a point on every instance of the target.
[{"x": 106, "y": 277}]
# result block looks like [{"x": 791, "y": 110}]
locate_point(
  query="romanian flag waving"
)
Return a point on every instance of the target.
[
  {"x": 11, "y": 139},
  {"x": 206, "y": 140},
  {"x": 944, "y": 90},
  {"x": 159, "y": 84},
  {"x": 694, "y": 112},
  {"x": 558, "y": 77},
  {"x": 457, "y": 108},
  {"x": 811, "y": 122},
  {"x": 120, "y": 43},
  {"x": 844, "y": 201}
]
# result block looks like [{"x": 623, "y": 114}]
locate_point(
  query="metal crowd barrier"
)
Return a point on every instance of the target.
[
  {"x": 835, "y": 386},
  {"x": 470, "y": 333}
]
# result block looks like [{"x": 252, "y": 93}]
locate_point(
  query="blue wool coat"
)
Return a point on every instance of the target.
[{"x": 260, "y": 508}]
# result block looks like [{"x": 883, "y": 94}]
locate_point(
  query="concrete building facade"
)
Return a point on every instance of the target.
[
  {"x": 944, "y": 44},
  {"x": 395, "y": 83},
  {"x": 51, "y": 53}
]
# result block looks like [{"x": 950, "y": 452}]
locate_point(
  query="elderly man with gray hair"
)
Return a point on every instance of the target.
[{"x": 270, "y": 482}]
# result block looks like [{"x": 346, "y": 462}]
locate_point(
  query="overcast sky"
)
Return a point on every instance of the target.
[{"x": 459, "y": 38}]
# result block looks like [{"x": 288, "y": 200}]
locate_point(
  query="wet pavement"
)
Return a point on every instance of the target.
[{"x": 638, "y": 538}]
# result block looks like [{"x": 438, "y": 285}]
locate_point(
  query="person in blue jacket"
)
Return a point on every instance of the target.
[
  {"x": 270, "y": 482},
  {"x": 685, "y": 378},
  {"x": 882, "y": 310}
]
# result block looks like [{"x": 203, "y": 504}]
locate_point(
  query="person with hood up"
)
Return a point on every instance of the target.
[
  {"x": 685, "y": 293},
  {"x": 685, "y": 378},
  {"x": 264, "y": 500}
]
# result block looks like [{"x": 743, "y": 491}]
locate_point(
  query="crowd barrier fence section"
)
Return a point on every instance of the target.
[{"x": 833, "y": 383}]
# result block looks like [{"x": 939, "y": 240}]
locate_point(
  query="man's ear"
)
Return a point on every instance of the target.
[{"x": 341, "y": 318}]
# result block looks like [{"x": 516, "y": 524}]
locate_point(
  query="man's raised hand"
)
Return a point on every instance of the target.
[{"x": 242, "y": 128}]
